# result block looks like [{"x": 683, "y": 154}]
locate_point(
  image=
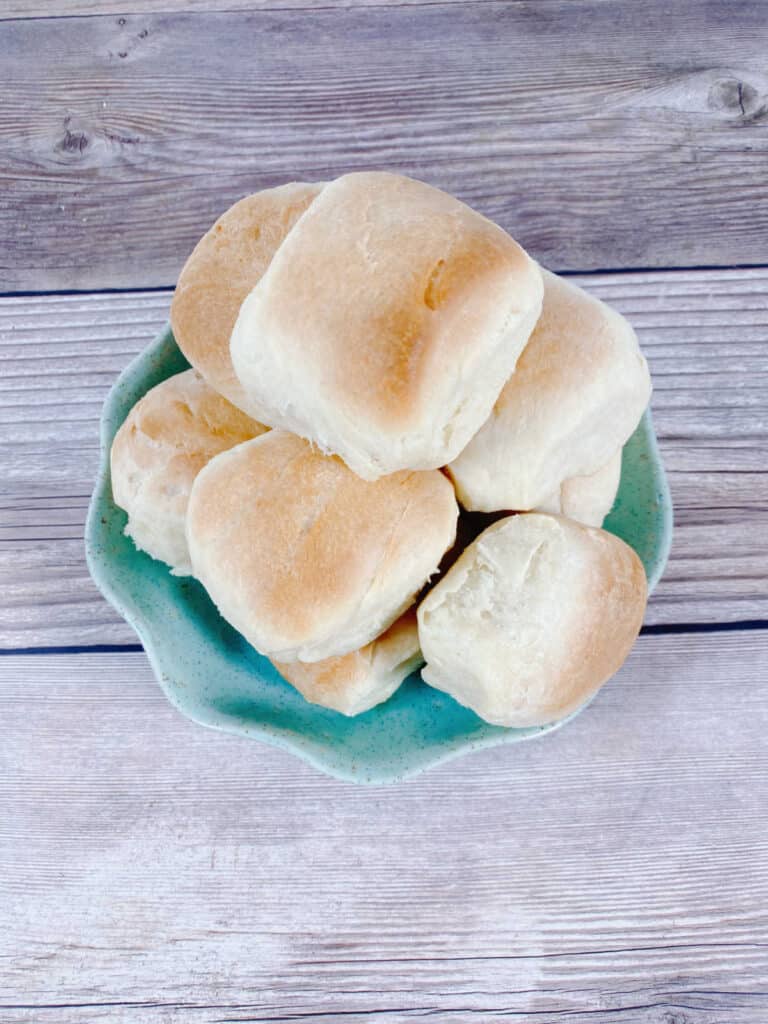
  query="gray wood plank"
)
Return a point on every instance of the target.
[
  {"x": 706, "y": 337},
  {"x": 123, "y": 8},
  {"x": 617, "y": 870},
  {"x": 601, "y": 134}
]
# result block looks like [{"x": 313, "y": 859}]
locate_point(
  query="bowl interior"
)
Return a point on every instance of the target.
[{"x": 215, "y": 677}]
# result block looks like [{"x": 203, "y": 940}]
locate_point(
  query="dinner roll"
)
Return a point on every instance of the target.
[
  {"x": 164, "y": 442},
  {"x": 303, "y": 557},
  {"x": 224, "y": 266},
  {"x": 355, "y": 682},
  {"x": 587, "y": 499},
  {"x": 532, "y": 619},
  {"x": 386, "y": 324},
  {"x": 577, "y": 394}
]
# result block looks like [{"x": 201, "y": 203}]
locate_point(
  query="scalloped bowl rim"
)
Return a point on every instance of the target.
[{"x": 321, "y": 755}]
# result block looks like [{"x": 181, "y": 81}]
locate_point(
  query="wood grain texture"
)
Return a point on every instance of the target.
[
  {"x": 601, "y": 134},
  {"x": 617, "y": 870},
  {"x": 706, "y": 338},
  {"x": 66, "y": 8}
]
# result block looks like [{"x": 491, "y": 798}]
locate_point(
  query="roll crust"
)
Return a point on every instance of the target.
[
  {"x": 587, "y": 499},
  {"x": 386, "y": 324},
  {"x": 532, "y": 619},
  {"x": 303, "y": 557},
  {"x": 164, "y": 442},
  {"x": 577, "y": 394},
  {"x": 221, "y": 271},
  {"x": 358, "y": 681}
]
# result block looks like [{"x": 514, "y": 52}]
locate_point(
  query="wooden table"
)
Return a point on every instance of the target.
[{"x": 153, "y": 871}]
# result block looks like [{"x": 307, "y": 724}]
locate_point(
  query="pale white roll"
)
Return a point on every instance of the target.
[
  {"x": 533, "y": 618},
  {"x": 587, "y": 499},
  {"x": 577, "y": 394}
]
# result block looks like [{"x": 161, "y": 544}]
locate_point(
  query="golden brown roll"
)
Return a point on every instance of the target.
[
  {"x": 303, "y": 557},
  {"x": 577, "y": 394},
  {"x": 355, "y": 682},
  {"x": 533, "y": 618},
  {"x": 164, "y": 442},
  {"x": 386, "y": 324},
  {"x": 224, "y": 266}
]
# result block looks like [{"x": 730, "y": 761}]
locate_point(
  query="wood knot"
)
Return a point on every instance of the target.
[
  {"x": 73, "y": 143},
  {"x": 733, "y": 95}
]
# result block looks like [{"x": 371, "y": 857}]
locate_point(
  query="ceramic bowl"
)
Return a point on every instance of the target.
[{"x": 212, "y": 675}]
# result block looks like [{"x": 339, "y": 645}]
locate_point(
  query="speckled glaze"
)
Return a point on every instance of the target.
[{"x": 209, "y": 672}]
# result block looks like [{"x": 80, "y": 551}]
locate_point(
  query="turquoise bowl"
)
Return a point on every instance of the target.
[{"x": 212, "y": 675}]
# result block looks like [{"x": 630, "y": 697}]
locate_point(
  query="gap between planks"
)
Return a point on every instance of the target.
[{"x": 138, "y": 288}]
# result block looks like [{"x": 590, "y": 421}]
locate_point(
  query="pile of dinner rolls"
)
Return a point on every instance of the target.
[{"x": 374, "y": 363}]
